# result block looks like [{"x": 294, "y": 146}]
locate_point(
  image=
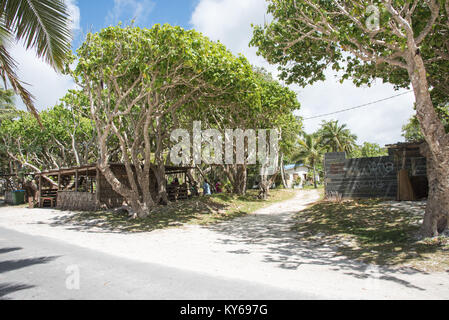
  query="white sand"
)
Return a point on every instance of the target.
[{"x": 258, "y": 247}]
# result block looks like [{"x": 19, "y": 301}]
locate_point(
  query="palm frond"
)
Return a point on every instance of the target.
[
  {"x": 41, "y": 24},
  {"x": 7, "y": 70}
]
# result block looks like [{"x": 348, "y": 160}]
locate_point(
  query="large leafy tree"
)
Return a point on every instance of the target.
[
  {"x": 236, "y": 105},
  {"x": 404, "y": 42},
  {"x": 42, "y": 25},
  {"x": 337, "y": 137},
  {"x": 137, "y": 81},
  {"x": 277, "y": 105},
  {"x": 66, "y": 140},
  {"x": 257, "y": 102}
]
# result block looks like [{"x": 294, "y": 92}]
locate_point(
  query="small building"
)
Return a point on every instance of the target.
[
  {"x": 401, "y": 175},
  {"x": 85, "y": 187},
  {"x": 295, "y": 175}
]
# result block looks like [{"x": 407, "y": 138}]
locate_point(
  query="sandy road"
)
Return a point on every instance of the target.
[{"x": 259, "y": 248}]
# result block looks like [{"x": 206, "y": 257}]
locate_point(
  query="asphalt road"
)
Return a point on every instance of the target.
[{"x": 33, "y": 267}]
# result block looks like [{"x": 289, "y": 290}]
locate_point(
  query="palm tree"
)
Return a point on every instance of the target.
[
  {"x": 41, "y": 24},
  {"x": 310, "y": 151},
  {"x": 336, "y": 137}
]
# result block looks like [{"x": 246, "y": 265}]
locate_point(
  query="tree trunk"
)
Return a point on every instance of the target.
[
  {"x": 130, "y": 195},
  {"x": 314, "y": 176},
  {"x": 162, "y": 196},
  {"x": 240, "y": 178},
  {"x": 436, "y": 151},
  {"x": 263, "y": 191},
  {"x": 265, "y": 185},
  {"x": 284, "y": 183},
  {"x": 436, "y": 217},
  {"x": 237, "y": 175}
]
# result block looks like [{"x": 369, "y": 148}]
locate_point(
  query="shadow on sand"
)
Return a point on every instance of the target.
[{"x": 286, "y": 249}]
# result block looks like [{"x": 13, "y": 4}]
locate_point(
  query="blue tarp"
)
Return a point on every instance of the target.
[{"x": 292, "y": 166}]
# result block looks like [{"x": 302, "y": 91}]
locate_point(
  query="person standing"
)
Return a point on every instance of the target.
[
  {"x": 218, "y": 187},
  {"x": 206, "y": 188}
]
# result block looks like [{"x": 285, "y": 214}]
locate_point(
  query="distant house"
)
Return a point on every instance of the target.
[{"x": 295, "y": 175}]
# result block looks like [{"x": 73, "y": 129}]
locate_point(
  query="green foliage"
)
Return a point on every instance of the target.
[
  {"x": 303, "y": 54},
  {"x": 277, "y": 106},
  {"x": 368, "y": 149},
  {"x": 166, "y": 77},
  {"x": 306, "y": 38},
  {"x": 336, "y": 137},
  {"x": 411, "y": 131},
  {"x": 7, "y": 106},
  {"x": 308, "y": 150},
  {"x": 65, "y": 133}
]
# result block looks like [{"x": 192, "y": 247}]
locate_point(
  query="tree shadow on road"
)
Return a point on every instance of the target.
[
  {"x": 8, "y": 288},
  {"x": 175, "y": 214},
  {"x": 7, "y": 250},
  {"x": 10, "y": 265},
  {"x": 274, "y": 237}
]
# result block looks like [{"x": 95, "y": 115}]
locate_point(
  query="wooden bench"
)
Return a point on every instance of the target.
[{"x": 48, "y": 196}]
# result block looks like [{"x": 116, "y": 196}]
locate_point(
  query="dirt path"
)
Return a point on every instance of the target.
[{"x": 260, "y": 247}]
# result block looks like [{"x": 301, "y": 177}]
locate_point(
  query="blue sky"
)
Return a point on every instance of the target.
[
  {"x": 97, "y": 14},
  {"x": 230, "y": 22}
]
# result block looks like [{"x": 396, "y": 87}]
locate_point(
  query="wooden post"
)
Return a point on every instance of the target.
[
  {"x": 76, "y": 180},
  {"x": 59, "y": 181},
  {"x": 40, "y": 191},
  {"x": 97, "y": 187}
]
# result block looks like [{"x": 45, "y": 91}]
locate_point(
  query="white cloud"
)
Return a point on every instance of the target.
[
  {"x": 230, "y": 22},
  {"x": 74, "y": 12},
  {"x": 127, "y": 10},
  {"x": 380, "y": 122},
  {"x": 45, "y": 84}
]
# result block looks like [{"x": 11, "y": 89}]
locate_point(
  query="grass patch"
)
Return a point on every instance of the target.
[
  {"x": 375, "y": 232},
  {"x": 200, "y": 210}
]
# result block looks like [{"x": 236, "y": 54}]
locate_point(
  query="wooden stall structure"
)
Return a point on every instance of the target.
[
  {"x": 85, "y": 188},
  {"x": 411, "y": 170}
]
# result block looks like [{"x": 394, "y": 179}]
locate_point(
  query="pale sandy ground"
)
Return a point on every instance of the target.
[{"x": 259, "y": 247}]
